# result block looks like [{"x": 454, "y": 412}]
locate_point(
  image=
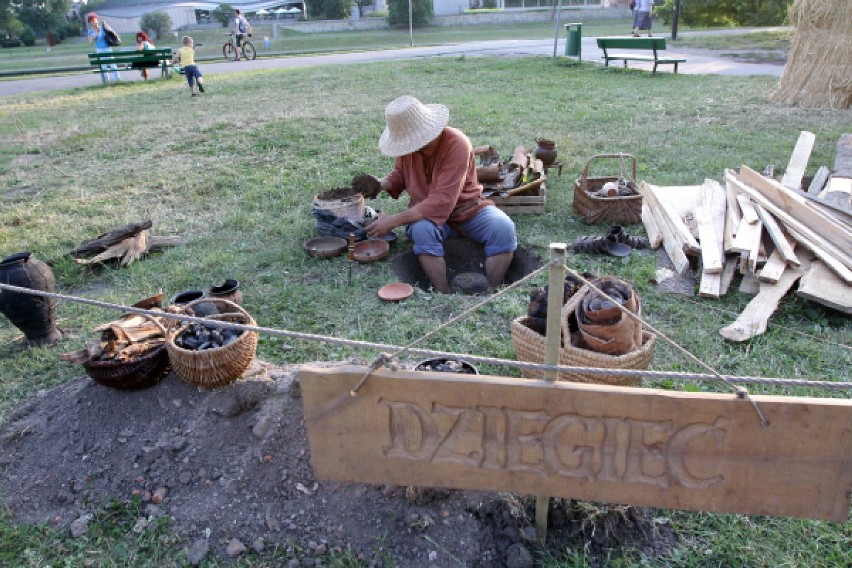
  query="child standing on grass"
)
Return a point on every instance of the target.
[{"x": 186, "y": 57}]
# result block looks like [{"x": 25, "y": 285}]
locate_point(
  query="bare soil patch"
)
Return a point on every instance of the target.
[{"x": 234, "y": 463}]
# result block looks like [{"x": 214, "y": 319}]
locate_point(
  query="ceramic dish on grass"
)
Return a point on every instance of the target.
[
  {"x": 325, "y": 247},
  {"x": 371, "y": 250},
  {"x": 396, "y": 292}
]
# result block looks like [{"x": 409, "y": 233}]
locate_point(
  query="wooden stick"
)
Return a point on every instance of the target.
[{"x": 555, "y": 295}]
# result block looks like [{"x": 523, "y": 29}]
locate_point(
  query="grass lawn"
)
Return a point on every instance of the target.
[{"x": 234, "y": 172}]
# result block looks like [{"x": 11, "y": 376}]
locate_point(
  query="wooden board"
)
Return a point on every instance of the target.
[
  {"x": 648, "y": 447},
  {"x": 672, "y": 246},
  {"x": 755, "y": 317},
  {"x": 825, "y": 250},
  {"x": 819, "y": 284},
  {"x": 533, "y": 204},
  {"x": 655, "y": 236},
  {"x": 799, "y": 160}
]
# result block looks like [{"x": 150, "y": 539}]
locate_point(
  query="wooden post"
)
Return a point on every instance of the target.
[{"x": 555, "y": 295}]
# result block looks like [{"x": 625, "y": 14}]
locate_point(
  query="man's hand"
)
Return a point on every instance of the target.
[
  {"x": 368, "y": 186},
  {"x": 383, "y": 225}
]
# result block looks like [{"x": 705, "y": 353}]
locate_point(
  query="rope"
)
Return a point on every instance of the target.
[
  {"x": 451, "y": 321},
  {"x": 742, "y": 392},
  {"x": 640, "y": 373}
]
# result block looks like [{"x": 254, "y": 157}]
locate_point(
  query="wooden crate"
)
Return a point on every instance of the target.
[{"x": 532, "y": 204}]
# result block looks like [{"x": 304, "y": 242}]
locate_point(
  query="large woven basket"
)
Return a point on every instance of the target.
[
  {"x": 616, "y": 210},
  {"x": 531, "y": 346},
  {"x": 134, "y": 374},
  {"x": 214, "y": 367}
]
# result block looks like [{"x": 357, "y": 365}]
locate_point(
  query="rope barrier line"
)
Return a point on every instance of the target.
[
  {"x": 444, "y": 325},
  {"x": 641, "y": 373},
  {"x": 741, "y": 392}
]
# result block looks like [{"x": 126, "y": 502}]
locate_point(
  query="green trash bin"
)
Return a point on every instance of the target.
[{"x": 572, "y": 43}]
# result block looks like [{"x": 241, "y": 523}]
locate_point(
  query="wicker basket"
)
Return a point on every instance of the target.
[
  {"x": 531, "y": 346},
  {"x": 617, "y": 210},
  {"x": 139, "y": 373},
  {"x": 214, "y": 367}
]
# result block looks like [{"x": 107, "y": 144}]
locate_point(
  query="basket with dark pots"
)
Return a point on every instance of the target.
[{"x": 209, "y": 355}]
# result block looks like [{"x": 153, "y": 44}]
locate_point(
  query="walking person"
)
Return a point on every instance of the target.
[
  {"x": 241, "y": 27},
  {"x": 97, "y": 36},
  {"x": 186, "y": 57},
  {"x": 642, "y": 17}
]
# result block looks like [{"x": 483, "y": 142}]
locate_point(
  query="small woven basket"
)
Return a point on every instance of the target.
[
  {"x": 531, "y": 346},
  {"x": 134, "y": 374},
  {"x": 616, "y": 210},
  {"x": 214, "y": 367}
]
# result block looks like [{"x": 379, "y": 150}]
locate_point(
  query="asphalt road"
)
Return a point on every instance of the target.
[{"x": 702, "y": 62}]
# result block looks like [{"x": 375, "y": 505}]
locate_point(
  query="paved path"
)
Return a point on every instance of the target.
[{"x": 698, "y": 62}]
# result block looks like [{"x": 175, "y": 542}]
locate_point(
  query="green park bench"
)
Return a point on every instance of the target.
[
  {"x": 655, "y": 44},
  {"x": 131, "y": 59}
]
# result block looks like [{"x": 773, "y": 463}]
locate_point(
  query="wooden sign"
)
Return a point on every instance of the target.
[{"x": 678, "y": 450}]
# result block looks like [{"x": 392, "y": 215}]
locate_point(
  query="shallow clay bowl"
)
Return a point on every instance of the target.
[
  {"x": 325, "y": 247},
  {"x": 396, "y": 292},
  {"x": 371, "y": 250}
]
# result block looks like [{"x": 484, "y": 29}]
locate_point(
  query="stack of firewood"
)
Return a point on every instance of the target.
[
  {"x": 773, "y": 233},
  {"x": 125, "y": 339}
]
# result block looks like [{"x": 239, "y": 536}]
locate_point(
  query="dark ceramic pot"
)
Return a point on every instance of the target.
[
  {"x": 228, "y": 290},
  {"x": 545, "y": 151},
  {"x": 34, "y": 315},
  {"x": 201, "y": 309},
  {"x": 445, "y": 365}
]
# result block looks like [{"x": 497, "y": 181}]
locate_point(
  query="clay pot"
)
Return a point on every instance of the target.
[
  {"x": 228, "y": 290},
  {"x": 201, "y": 309},
  {"x": 34, "y": 315},
  {"x": 545, "y": 151}
]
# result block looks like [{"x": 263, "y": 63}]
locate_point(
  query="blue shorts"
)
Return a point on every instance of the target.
[
  {"x": 490, "y": 227},
  {"x": 192, "y": 73}
]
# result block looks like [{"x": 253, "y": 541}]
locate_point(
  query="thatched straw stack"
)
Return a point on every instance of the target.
[{"x": 819, "y": 68}]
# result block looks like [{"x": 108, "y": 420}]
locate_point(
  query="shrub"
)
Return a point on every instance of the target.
[
  {"x": 222, "y": 14},
  {"x": 156, "y": 24},
  {"x": 28, "y": 37}
]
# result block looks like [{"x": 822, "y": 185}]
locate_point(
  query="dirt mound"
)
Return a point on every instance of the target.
[{"x": 234, "y": 463}]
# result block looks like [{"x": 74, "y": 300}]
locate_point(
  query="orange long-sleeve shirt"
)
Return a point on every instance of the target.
[{"x": 452, "y": 192}]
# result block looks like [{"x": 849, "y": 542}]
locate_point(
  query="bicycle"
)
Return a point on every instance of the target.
[{"x": 232, "y": 52}]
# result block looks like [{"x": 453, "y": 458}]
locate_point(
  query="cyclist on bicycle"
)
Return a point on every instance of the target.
[{"x": 241, "y": 27}]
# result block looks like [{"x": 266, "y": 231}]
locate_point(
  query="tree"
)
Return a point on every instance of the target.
[
  {"x": 41, "y": 15},
  {"x": 156, "y": 24},
  {"x": 222, "y": 14},
  {"x": 422, "y": 12},
  {"x": 706, "y": 13},
  {"x": 329, "y": 9},
  {"x": 10, "y": 25}
]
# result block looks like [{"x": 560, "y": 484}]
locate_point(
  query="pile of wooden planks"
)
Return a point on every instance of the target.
[{"x": 773, "y": 233}]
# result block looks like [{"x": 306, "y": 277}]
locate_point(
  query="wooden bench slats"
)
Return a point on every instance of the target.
[
  {"x": 123, "y": 60},
  {"x": 654, "y": 44}
]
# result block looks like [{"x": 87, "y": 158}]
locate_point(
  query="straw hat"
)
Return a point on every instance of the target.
[{"x": 411, "y": 125}]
